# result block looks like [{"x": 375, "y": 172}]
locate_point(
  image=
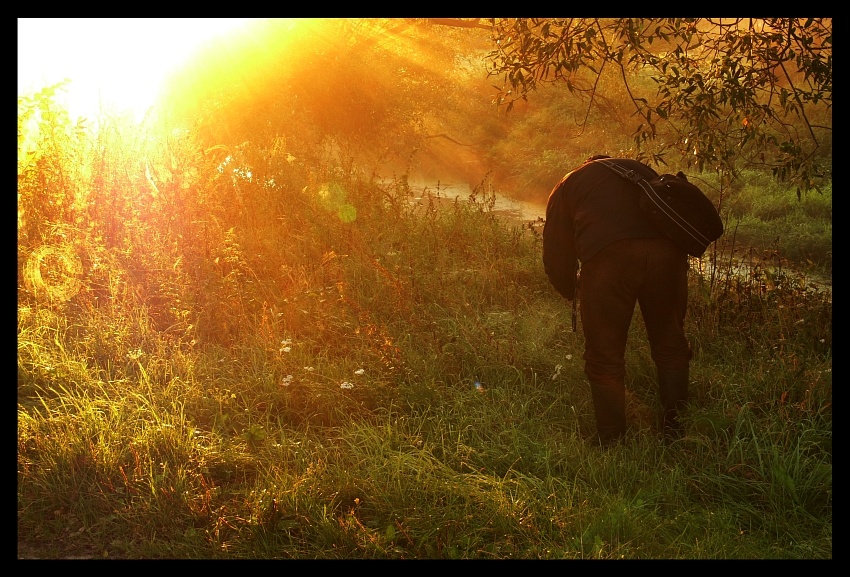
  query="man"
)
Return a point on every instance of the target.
[{"x": 593, "y": 216}]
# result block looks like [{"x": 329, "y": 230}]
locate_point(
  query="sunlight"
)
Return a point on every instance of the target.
[{"x": 115, "y": 65}]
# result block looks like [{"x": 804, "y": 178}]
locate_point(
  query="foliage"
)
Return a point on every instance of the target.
[
  {"x": 551, "y": 134},
  {"x": 728, "y": 93}
]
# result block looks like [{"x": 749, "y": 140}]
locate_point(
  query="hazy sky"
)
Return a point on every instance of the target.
[{"x": 119, "y": 62}]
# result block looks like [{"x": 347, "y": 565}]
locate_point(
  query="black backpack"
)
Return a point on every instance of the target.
[{"x": 677, "y": 208}]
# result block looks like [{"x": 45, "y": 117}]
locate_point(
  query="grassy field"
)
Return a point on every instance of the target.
[{"x": 217, "y": 364}]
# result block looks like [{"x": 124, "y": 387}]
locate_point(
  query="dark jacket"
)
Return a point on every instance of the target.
[{"x": 590, "y": 208}]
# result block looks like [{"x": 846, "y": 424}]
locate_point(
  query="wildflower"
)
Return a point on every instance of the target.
[
  {"x": 360, "y": 372},
  {"x": 285, "y": 345},
  {"x": 569, "y": 357},
  {"x": 309, "y": 369},
  {"x": 287, "y": 380},
  {"x": 346, "y": 385}
]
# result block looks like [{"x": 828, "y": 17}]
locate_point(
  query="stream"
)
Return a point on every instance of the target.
[
  {"x": 523, "y": 212},
  {"x": 510, "y": 208}
]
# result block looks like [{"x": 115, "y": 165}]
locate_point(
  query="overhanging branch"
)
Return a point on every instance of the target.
[{"x": 459, "y": 23}]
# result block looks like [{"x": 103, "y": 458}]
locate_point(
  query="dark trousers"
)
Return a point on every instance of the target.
[{"x": 651, "y": 272}]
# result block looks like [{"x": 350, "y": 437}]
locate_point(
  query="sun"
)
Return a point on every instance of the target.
[{"x": 115, "y": 65}]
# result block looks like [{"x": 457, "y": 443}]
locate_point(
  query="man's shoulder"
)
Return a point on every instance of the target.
[{"x": 628, "y": 163}]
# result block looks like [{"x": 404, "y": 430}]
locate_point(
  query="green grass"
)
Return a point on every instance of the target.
[
  {"x": 260, "y": 375},
  {"x": 769, "y": 217}
]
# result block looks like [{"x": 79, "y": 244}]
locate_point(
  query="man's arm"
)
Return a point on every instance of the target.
[{"x": 559, "y": 251}]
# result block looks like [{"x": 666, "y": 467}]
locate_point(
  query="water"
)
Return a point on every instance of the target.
[
  {"x": 510, "y": 208},
  {"x": 523, "y": 212},
  {"x": 767, "y": 273}
]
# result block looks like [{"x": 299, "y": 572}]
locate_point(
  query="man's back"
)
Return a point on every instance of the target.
[{"x": 604, "y": 207}]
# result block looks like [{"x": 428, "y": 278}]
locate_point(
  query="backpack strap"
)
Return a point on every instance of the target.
[
  {"x": 660, "y": 205},
  {"x": 636, "y": 178},
  {"x": 626, "y": 173}
]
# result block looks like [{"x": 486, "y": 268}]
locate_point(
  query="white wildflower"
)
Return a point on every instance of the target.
[
  {"x": 287, "y": 380},
  {"x": 360, "y": 372},
  {"x": 346, "y": 385}
]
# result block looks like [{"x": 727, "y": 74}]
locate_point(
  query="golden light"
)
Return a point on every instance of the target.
[{"x": 115, "y": 65}]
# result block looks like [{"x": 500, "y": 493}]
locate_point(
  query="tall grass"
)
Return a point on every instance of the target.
[{"x": 283, "y": 365}]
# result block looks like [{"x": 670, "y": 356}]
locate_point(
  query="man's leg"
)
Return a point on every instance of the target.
[
  {"x": 663, "y": 304},
  {"x": 609, "y": 407},
  {"x": 608, "y": 297},
  {"x": 673, "y": 390}
]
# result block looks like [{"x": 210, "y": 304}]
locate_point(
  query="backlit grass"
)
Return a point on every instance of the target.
[{"x": 249, "y": 370}]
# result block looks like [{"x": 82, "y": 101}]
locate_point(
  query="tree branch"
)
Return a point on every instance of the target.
[
  {"x": 459, "y": 23},
  {"x": 447, "y": 137}
]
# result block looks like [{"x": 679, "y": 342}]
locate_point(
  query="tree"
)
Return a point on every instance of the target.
[{"x": 725, "y": 93}]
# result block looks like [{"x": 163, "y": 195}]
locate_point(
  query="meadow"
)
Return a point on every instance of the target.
[{"x": 245, "y": 354}]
